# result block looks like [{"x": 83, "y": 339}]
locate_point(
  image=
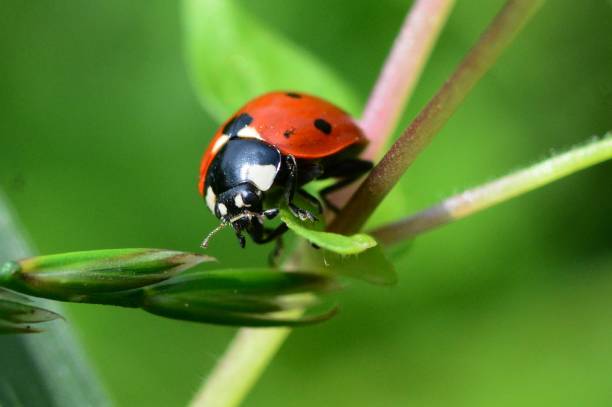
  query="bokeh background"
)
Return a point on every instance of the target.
[{"x": 101, "y": 134}]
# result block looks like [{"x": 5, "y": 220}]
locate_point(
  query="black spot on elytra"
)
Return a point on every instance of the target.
[
  {"x": 293, "y": 95},
  {"x": 289, "y": 132},
  {"x": 232, "y": 127},
  {"x": 228, "y": 125},
  {"x": 323, "y": 125}
]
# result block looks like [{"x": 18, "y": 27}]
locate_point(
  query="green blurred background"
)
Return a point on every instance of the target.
[{"x": 100, "y": 140}]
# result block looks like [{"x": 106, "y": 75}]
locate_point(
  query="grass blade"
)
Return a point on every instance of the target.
[{"x": 30, "y": 374}]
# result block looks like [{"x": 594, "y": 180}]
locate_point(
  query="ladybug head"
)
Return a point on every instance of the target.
[
  {"x": 240, "y": 207},
  {"x": 235, "y": 204}
]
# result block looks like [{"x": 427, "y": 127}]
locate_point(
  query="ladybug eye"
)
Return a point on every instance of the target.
[{"x": 250, "y": 198}]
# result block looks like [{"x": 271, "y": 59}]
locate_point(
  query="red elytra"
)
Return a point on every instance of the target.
[{"x": 301, "y": 125}]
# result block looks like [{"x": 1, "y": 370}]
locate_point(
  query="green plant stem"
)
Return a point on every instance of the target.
[
  {"x": 476, "y": 199},
  {"x": 397, "y": 80},
  {"x": 243, "y": 363},
  {"x": 500, "y": 33}
]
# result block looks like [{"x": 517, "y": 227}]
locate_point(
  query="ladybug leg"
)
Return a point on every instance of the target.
[
  {"x": 271, "y": 213},
  {"x": 309, "y": 172},
  {"x": 277, "y": 233},
  {"x": 290, "y": 189},
  {"x": 262, "y": 235},
  {"x": 311, "y": 199},
  {"x": 347, "y": 172},
  {"x": 330, "y": 205},
  {"x": 241, "y": 239},
  {"x": 275, "y": 254},
  {"x": 334, "y": 187}
]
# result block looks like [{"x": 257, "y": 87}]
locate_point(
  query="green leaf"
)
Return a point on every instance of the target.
[
  {"x": 11, "y": 311},
  {"x": 245, "y": 297},
  {"x": 12, "y": 328},
  {"x": 334, "y": 242},
  {"x": 262, "y": 281},
  {"x": 200, "y": 311},
  {"x": 252, "y": 289},
  {"x": 13, "y": 296},
  {"x": 69, "y": 276},
  {"x": 233, "y": 57},
  {"x": 371, "y": 265},
  {"x": 247, "y": 303},
  {"x": 250, "y": 297}
]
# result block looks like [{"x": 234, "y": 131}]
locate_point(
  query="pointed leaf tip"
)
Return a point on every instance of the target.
[
  {"x": 75, "y": 276},
  {"x": 334, "y": 242},
  {"x": 16, "y": 312},
  {"x": 13, "y": 296}
]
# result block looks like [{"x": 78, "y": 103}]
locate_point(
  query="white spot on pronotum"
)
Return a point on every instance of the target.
[
  {"x": 222, "y": 209},
  {"x": 249, "y": 132},
  {"x": 220, "y": 143},
  {"x": 239, "y": 202},
  {"x": 260, "y": 175},
  {"x": 211, "y": 199}
]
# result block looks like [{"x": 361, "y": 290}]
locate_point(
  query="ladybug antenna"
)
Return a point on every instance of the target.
[{"x": 213, "y": 232}]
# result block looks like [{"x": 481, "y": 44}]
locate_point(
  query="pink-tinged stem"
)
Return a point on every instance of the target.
[
  {"x": 398, "y": 78},
  {"x": 239, "y": 368},
  {"x": 477, "y": 199},
  {"x": 401, "y": 71},
  {"x": 500, "y": 33}
]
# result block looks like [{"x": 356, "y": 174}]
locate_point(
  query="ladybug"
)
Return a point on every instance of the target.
[{"x": 267, "y": 151}]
